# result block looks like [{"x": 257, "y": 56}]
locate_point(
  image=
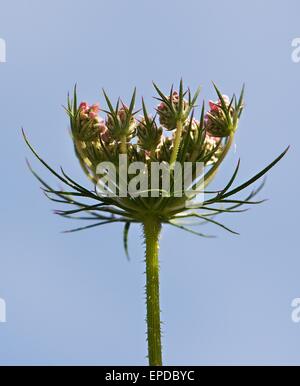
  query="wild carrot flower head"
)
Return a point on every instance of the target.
[{"x": 205, "y": 139}]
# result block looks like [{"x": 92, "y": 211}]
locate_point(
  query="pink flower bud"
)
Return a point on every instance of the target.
[
  {"x": 167, "y": 116},
  {"x": 214, "y": 106},
  {"x": 161, "y": 106},
  {"x": 83, "y": 106}
]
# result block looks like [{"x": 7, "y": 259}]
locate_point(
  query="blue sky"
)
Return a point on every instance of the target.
[{"x": 74, "y": 299}]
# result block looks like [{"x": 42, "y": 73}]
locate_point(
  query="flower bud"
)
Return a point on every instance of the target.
[
  {"x": 121, "y": 124},
  {"x": 218, "y": 121},
  {"x": 149, "y": 135},
  {"x": 169, "y": 115},
  {"x": 89, "y": 123}
]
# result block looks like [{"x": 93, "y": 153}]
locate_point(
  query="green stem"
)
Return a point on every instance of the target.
[
  {"x": 212, "y": 172},
  {"x": 152, "y": 229},
  {"x": 178, "y": 134},
  {"x": 123, "y": 145}
]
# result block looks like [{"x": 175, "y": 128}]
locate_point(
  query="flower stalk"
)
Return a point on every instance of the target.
[
  {"x": 123, "y": 145},
  {"x": 177, "y": 140},
  {"x": 152, "y": 229}
]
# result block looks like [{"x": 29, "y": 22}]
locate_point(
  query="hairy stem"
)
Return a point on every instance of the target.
[
  {"x": 152, "y": 229},
  {"x": 123, "y": 145},
  {"x": 176, "y": 144}
]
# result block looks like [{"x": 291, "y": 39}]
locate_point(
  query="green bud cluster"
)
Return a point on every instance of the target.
[{"x": 99, "y": 139}]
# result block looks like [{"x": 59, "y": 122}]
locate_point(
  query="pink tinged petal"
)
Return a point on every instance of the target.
[
  {"x": 214, "y": 106},
  {"x": 161, "y": 106},
  {"x": 95, "y": 108},
  {"x": 83, "y": 106}
]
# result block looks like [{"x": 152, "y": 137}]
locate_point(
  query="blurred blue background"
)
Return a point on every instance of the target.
[{"x": 74, "y": 299}]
